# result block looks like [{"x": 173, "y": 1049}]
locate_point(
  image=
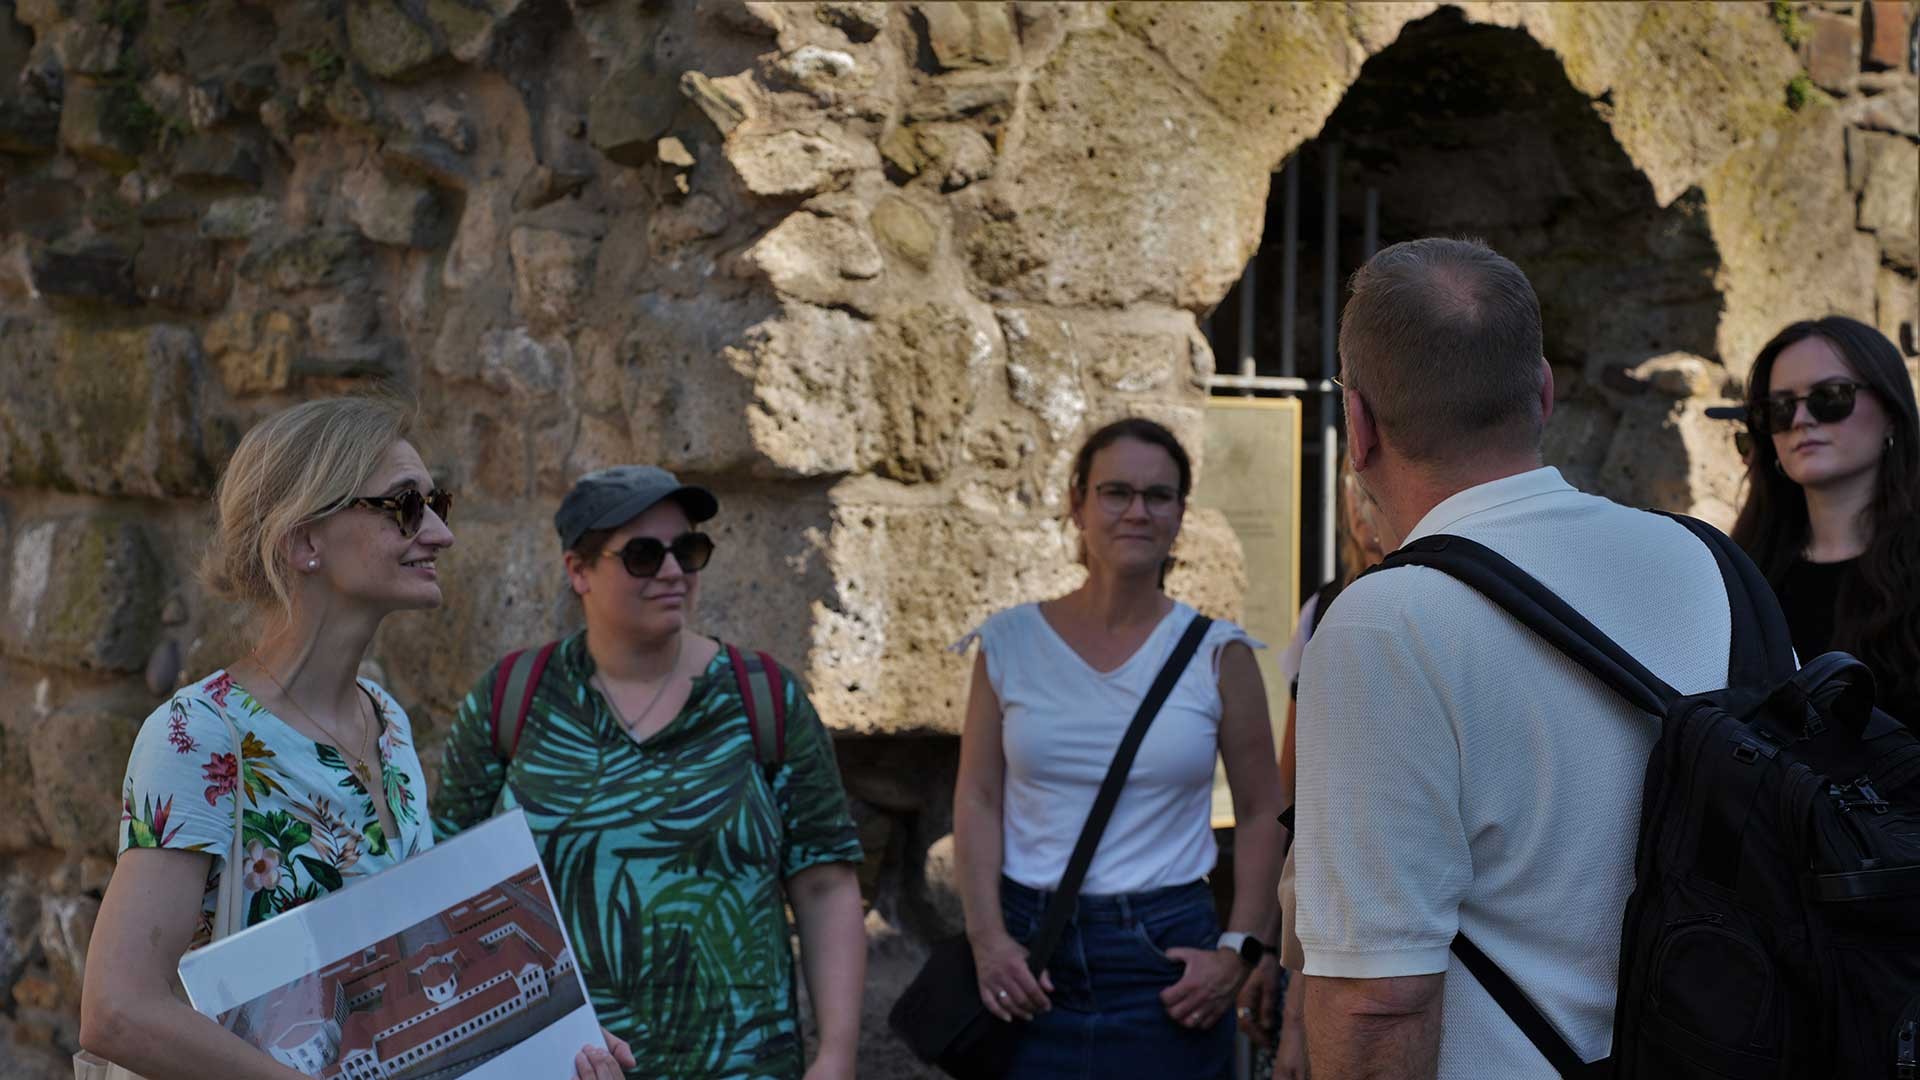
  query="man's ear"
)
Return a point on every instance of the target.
[
  {"x": 1546, "y": 391},
  {"x": 1363, "y": 433}
]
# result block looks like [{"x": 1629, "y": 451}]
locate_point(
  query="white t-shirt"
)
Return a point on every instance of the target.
[
  {"x": 1458, "y": 773},
  {"x": 1061, "y": 722}
]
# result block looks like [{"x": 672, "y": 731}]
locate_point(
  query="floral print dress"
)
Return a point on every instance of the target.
[{"x": 307, "y": 823}]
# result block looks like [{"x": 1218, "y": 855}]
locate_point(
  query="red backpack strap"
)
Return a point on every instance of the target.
[
  {"x": 776, "y": 689},
  {"x": 762, "y": 695},
  {"x": 518, "y": 677}
]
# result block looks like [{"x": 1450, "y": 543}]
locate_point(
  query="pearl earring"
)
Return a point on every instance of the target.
[{"x": 313, "y": 564}]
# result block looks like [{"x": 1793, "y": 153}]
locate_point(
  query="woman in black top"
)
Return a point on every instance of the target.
[{"x": 1832, "y": 513}]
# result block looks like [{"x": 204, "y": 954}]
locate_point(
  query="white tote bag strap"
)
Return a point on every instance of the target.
[{"x": 229, "y": 915}]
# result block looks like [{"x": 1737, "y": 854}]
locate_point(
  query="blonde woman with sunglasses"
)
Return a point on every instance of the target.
[
  {"x": 328, "y": 522},
  {"x": 676, "y": 819}
]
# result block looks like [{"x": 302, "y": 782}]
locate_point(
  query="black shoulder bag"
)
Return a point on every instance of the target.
[{"x": 940, "y": 1016}]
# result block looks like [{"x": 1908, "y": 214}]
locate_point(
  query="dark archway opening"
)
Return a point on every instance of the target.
[{"x": 1467, "y": 130}]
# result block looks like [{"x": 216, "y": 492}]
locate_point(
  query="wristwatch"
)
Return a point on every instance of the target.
[{"x": 1250, "y": 948}]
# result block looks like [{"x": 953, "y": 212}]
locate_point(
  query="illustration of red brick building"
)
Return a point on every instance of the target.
[{"x": 388, "y": 1009}]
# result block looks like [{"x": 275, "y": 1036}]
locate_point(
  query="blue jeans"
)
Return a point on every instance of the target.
[{"x": 1107, "y": 1021}]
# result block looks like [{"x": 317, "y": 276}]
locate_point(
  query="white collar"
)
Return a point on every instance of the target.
[{"x": 1481, "y": 498}]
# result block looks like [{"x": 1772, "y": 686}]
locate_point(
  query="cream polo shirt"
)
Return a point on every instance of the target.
[{"x": 1458, "y": 773}]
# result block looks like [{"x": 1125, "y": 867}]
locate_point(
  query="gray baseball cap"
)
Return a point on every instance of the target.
[{"x": 606, "y": 498}]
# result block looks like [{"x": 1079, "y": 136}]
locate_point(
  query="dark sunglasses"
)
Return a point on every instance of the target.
[
  {"x": 1829, "y": 403},
  {"x": 644, "y": 556},
  {"x": 409, "y": 508}
]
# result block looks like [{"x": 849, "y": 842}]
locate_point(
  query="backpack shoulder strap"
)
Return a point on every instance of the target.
[
  {"x": 1540, "y": 610},
  {"x": 1538, "y": 1029},
  {"x": 763, "y": 693},
  {"x": 1761, "y": 655},
  {"x": 513, "y": 686}
]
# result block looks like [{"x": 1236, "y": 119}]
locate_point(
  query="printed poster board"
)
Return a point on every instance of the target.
[
  {"x": 1251, "y": 474},
  {"x": 452, "y": 964}
]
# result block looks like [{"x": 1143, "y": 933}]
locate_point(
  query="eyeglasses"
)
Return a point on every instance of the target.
[
  {"x": 1116, "y": 498},
  {"x": 1828, "y": 403},
  {"x": 409, "y": 508},
  {"x": 644, "y": 556}
]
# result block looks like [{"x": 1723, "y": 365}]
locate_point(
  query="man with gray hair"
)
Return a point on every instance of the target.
[{"x": 1457, "y": 774}]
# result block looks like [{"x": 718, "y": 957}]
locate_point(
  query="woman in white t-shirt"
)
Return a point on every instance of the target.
[{"x": 1143, "y": 981}]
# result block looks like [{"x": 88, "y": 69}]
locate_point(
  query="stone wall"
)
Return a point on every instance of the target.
[{"x": 869, "y": 270}]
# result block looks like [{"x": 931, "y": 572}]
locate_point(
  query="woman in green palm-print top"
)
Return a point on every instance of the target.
[{"x": 670, "y": 846}]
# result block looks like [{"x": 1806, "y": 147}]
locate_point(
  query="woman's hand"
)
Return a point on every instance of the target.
[
  {"x": 1204, "y": 992},
  {"x": 1257, "y": 1000},
  {"x": 608, "y": 1062},
  {"x": 1007, "y": 988}
]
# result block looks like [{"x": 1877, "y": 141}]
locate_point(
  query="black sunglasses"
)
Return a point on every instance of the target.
[
  {"x": 409, "y": 508},
  {"x": 644, "y": 556},
  {"x": 1829, "y": 403}
]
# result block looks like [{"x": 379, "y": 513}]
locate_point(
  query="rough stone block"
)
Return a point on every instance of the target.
[
  {"x": 23, "y": 705},
  {"x": 923, "y": 387},
  {"x": 219, "y": 159},
  {"x": 1833, "y": 51},
  {"x": 1158, "y": 201},
  {"x": 967, "y": 34},
  {"x": 390, "y": 210},
  {"x": 28, "y": 127},
  {"x": 79, "y": 758},
  {"x": 812, "y": 394},
  {"x": 552, "y": 274},
  {"x": 255, "y": 351},
  {"x": 239, "y": 217},
  {"x": 429, "y": 160},
  {"x": 182, "y": 272},
  {"x": 86, "y": 47},
  {"x": 98, "y": 123},
  {"x": 294, "y": 261},
  {"x": 82, "y": 593},
  {"x": 796, "y": 163},
  {"x": 904, "y": 229},
  {"x": 86, "y": 270},
  {"x": 1895, "y": 109},
  {"x": 1044, "y": 368},
  {"x": 906, "y": 584},
  {"x": 1888, "y": 30},
  {"x": 389, "y": 42},
  {"x": 111, "y": 412},
  {"x": 717, "y": 98},
  {"x": 1892, "y": 177},
  {"x": 1679, "y": 375},
  {"x": 635, "y": 106},
  {"x": 814, "y": 258}
]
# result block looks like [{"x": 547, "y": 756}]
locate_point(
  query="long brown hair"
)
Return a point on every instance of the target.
[{"x": 1877, "y": 617}]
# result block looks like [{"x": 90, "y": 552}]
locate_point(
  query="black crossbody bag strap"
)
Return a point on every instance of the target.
[{"x": 1060, "y": 906}]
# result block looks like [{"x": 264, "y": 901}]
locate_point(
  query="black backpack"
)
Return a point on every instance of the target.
[{"x": 1774, "y": 926}]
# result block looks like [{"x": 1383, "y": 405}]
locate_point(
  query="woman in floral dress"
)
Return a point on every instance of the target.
[{"x": 328, "y": 522}]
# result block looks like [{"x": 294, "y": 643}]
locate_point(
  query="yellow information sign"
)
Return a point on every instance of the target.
[{"x": 1251, "y": 474}]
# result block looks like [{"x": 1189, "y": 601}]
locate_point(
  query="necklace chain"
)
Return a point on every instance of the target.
[
  {"x": 632, "y": 728},
  {"x": 359, "y": 763}
]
